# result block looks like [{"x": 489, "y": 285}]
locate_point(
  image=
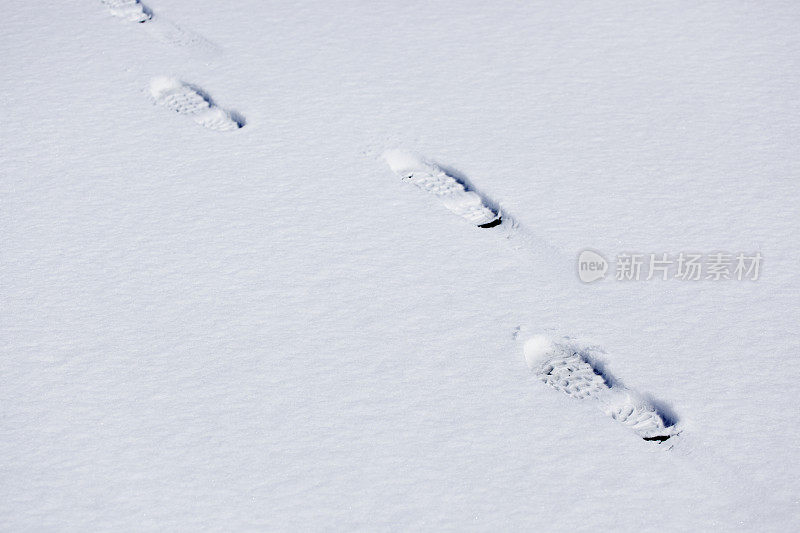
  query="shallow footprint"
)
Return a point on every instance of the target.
[
  {"x": 159, "y": 27},
  {"x": 567, "y": 369},
  {"x": 186, "y": 99},
  {"x": 449, "y": 190},
  {"x": 130, "y": 10}
]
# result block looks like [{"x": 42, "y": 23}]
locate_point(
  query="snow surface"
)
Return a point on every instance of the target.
[{"x": 265, "y": 328}]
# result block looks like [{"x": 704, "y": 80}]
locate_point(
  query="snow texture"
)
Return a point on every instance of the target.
[{"x": 269, "y": 330}]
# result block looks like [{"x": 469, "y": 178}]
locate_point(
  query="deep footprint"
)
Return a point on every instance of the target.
[
  {"x": 565, "y": 368},
  {"x": 187, "y": 100},
  {"x": 451, "y": 191},
  {"x": 130, "y": 10}
]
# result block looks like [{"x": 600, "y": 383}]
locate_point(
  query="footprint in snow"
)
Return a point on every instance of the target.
[
  {"x": 159, "y": 27},
  {"x": 188, "y": 100},
  {"x": 567, "y": 368},
  {"x": 453, "y": 192},
  {"x": 130, "y": 10}
]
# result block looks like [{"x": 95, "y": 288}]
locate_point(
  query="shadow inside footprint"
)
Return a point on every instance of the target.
[
  {"x": 468, "y": 186},
  {"x": 238, "y": 118},
  {"x": 235, "y": 116},
  {"x": 148, "y": 14}
]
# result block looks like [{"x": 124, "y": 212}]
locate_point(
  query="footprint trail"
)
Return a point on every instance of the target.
[{"x": 563, "y": 366}]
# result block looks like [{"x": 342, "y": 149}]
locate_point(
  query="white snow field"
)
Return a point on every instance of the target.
[{"x": 266, "y": 328}]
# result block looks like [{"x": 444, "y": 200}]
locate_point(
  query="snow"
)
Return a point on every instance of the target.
[
  {"x": 402, "y": 162},
  {"x": 537, "y": 349},
  {"x": 266, "y": 328}
]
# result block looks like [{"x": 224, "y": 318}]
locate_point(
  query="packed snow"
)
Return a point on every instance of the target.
[{"x": 224, "y": 307}]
